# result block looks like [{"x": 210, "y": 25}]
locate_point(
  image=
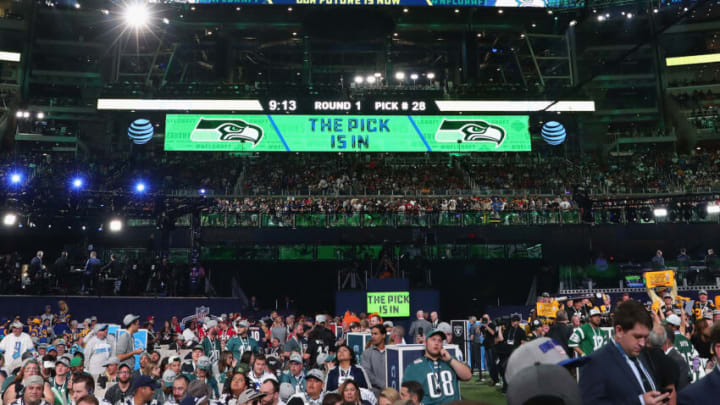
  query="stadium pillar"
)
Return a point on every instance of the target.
[
  {"x": 30, "y": 12},
  {"x": 307, "y": 61},
  {"x": 388, "y": 59}
]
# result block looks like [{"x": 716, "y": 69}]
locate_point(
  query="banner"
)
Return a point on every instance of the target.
[
  {"x": 347, "y": 133},
  {"x": 389, "y": 304},
  {"x": 547, "y": 309},
  {"x": 665, "y": 278},
  {"x": 400, "y": 3}
]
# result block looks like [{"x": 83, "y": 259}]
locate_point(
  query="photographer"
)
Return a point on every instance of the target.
[
  {"x": 488, "y": 331},
  {"x": 509, "y": 338}
]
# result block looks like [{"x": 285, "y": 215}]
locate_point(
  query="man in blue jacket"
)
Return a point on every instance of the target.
[
  {"x": 619, "y": 373},
  {"x": 704, "y": 390}
]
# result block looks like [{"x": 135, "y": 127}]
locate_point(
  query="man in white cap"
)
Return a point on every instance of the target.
[
  {"x": 313, "y": 394},
  {"x": 33, "y": 393},
  {"x": 108, "y": 377},
  {"x": 588, "y": 337},
  {"x": 680, "y": 342},
  {"x": 241, "y": 342},
  {"x": 98, "y": 350},
  {"x": 126, "y": 343},
  {"x": 295, "y": 376},
  {"x": 15, "y": 344},
  {"x": 320, "y": 341}
]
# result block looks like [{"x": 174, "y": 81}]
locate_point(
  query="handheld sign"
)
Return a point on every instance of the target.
[
  {"x": 547, "y": 309},
  {"x": 665, "y": 278}
]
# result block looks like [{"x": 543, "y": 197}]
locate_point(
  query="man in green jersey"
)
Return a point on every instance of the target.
[
  {"x": 437, "y": 371},
  {"x": 588, "y": 337},
  {"x": 681, "y": 343},
  {"x": 241, "y": 342}
]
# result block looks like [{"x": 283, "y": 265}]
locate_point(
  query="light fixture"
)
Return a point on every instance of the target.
[
  {"x": 660, "y": 212},
  {"x": 136, "y": 15},
  {"x": 77, "y": 5},
  {"x": 203, "y": 191},
  {"x": 573, "y": 23},
  {"x": 457, "y": 10},
  {"x": 406, "y": 10},
  {"x": 414, "y": 76},
  {"x": 115, "y": 225},
  {"x": 359, "y": 79},
  {"x": 15, "y": 178},
  {"x": 165, "y": 20},
  {"x": 431, "y": 75},
  {"x": 378, "y": 75},
  {"x": 40, "y": 115},
  {"x": 713, "y": 209},
  {"x": 26, "y": 114},
  {"x": 400, "y": 75},
  {"x": 371, "y": 79},
  {"x": 601, "y": 18},
  {"x": 9, "y": 219},
  {"x": 140, "y": 187},
  {"x": 19, "y": 114},
  {"x": 500, "y": 11},
  {"x": 629, "y": 15}
]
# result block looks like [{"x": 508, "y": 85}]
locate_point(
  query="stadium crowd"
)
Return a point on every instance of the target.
[{"x": 671, "y": 352}]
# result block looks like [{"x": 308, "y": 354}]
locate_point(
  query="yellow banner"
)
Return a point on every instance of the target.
[
  {"x": 664, "y": 278},
  {"x": 547, "y": 309},
  {"x": 717, "y": 301}
]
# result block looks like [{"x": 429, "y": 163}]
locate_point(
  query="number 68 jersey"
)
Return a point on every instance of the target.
[{"x": 437, "y": 378}]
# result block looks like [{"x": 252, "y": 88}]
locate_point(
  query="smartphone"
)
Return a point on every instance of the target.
[{"x": 666, "y": 391}]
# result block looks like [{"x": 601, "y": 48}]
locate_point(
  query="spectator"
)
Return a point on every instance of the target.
[
  {"x": 700, "y": 391},
  {"x": 420, "y": 326},
  {"x": 561, "y": 331},
  {"x": 82, "y": 385},
  {"x": 179, "y": 390},
  {"x": 295, "y": 375},
  {"x": 125, "y": 346},
  {"x": 15, "y": 345},
  {"x": 60, "y": 383},
  {"x": 98, "y": 350},
  {"x": 412, "y": 391},
  {"x": 588, "y": 338},
  {"x": 271, "y": 389},
  {"x": 109, "y": 377},
  {"x": 313, "y": 394},
  {"x": 658, "y": 261},
  {"x": 89, "y": 273},
  {"x": 143, "y": 390},
  {"x": 33, "y": 393},
  {"x": 346, "y": 369},
  {"x": 508, "y": 339},
  {"x": 389, "y": 395}
]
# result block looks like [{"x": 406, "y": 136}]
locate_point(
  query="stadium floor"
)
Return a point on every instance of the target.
[{"x": 473, "y": 391}]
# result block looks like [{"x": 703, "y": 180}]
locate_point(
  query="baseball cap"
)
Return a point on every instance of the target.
[
  {"x": 150, "y": 318},
  {"x": 130, "y": 318},
  {"x": 248, "y": 395},
  {"x": 673, "y": 320},
  {"x": 432, "y": 332},
  {"x": 16, "y": 324},
  {"x": 286, "y": 391},
  {"x": 60, "y": 342},
  {"x": 34, "y": 380},
  {"x": 320, "y": 318},
  {"x": 667, "y": 295},
  {"x": 168, "y": 377},
  {"x": 243, "y": 324},
  {"x": 198, "y": 347},
  {"x": 701, "y": 292},
  {"x": 173, "y": 359},
  {"x": 539, "y": 351},
  {"x": 514, "y": 318},
  {"x": 594, "y": 312},
  {"x": 62, "y": 360},
  {"x": 388, "y": 324},
  {"x": 93, "y": 318},
  {"x": 204, "y": 363},
  {"x": 242, "y": 368},
  {"x": 546, "y": 295},
  {"x": 295, "y": 357},
  {"x": 42, "y": 346},
  {"x": 102, "y": 326},
  {"x": 144, "y": 381},
  {"x": 111, "y": 360},
  {"x": 543, "y": 380},
  {"x": 536, "y": 324},
  {"x": 50, "y": 348},
  {"x": 76, "y": 361},
  {"x": 316, "y": 374}
]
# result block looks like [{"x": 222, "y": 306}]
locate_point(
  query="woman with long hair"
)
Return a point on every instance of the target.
[
  {"x": 16, "y": 388},
  {"x": 225, "y": 366},
  {"x": 166, "y": 334},
  {"x": 233, "y": 387},
  {"x": 701, "y": 338},
  {"x": 350, "y": 393},
  {"x": 346, "y": 369}
]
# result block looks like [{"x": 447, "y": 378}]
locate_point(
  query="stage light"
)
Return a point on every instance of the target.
[
  {"x": 136, "y": 15},
  {"x": 713, "y": 209},
  {"x": 77, "y": 183},
  {"x": 660, "y": 212},
  {"x": 165, "y": 21},
  {"x": 77, "y": 5},
  {"x": 629, "y": 15},
  {"x": 203, "y": 191},
  {"x": 400, "y": 75},
  {"x": 573, "y": 23},
  {"x": 19, "y": 114},
  {"x": 15, "y": 178},
  {"x": 40, "y": 115},
  {"x": 26, "y": 114},
  {"x": 371, "y": 79},
  {"x": 140, "y": 187},
  {"x": 106, "y": 12},
  {"x": 9, "y": 219},
  {"x": 601, "y": 18},
  {"x": 359, "y": 79},
  {"x": 414, "y": 76},
  {"x": 431, "y": 75},
  {"x": 115, "y": 225}
]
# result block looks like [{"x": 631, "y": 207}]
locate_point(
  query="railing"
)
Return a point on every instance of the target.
[{"x": 393, "y": 220}]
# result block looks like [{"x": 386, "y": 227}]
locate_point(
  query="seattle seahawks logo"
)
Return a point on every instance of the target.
[
  {"x": 226, "y": 130},
  {"x": 458, "y": 131}
]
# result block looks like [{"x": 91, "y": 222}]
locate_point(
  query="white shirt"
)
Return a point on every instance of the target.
[
  {"x": 97, "y": 352},
  {"x": 14, "y": 347},
  {"x": 189, "y": 336}
]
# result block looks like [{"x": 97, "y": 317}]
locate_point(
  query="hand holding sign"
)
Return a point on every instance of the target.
[{"x": 665, "y": 278}]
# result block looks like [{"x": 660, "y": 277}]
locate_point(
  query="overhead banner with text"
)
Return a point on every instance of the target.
[{"x": 347, "y": 133}]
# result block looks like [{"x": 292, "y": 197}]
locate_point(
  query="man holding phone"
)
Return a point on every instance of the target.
[{"x": 620, "y": 372}]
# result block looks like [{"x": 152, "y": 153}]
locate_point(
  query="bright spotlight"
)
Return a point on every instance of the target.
[
  {"x": 140, "y": 187},
  {"x": 359, "y": 79},
  {"x": 116, "y": 225},
  {"x": 203, "y": 191},
  {"x": 26, "y": 114},
  {"x": 19, "y": 114},
  {"x": 573, "y": 23},
  {"x": 77, "y": 5},
  {"x": 601, "y": 18},
  {"x": 15, "y": 178},
  {"x": 166, "y": 21},
  {"x": 414, "y": 76},
  {"x": 136, "y": 15},
  {"x": 9, "y": 219},
  {"x": 660, "y": 212},
  {"x": 377, "y": 74},
  {"x": 431, "y": 75},
  {"x": 40, "y": 115},
  {"x": 77, "y": 183},
  {"x": 371, "y": 79},
  {"x": 629, "y": 15},
  {"x": 400, "y": 75},
  {"x": 713, "y": 209}
]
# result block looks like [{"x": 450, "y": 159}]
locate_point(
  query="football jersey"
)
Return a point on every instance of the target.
[
  {"x": 256, "y": 333},
  {"x": 587, "y": 338},
  {"x": 686, "y": 349},
  {"x": 699, "y": 308},
  {"x": 239, "y": 345},
  {"x": 438, "y": 380}
]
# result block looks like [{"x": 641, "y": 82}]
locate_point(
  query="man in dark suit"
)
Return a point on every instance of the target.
[
  {"x": 619, "y": 373},
  {"x": 420, "y": 326},
  {"x": 708, "y": 387}
]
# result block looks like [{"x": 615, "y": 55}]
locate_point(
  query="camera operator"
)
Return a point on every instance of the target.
[
  {"x": 510, "y": 337},
  {"x": 488, "y": 331}
]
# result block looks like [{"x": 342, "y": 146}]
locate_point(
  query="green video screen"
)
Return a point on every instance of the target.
[
  {"x": 389, "y": 304},
  {"x": 346, "y": 133}
]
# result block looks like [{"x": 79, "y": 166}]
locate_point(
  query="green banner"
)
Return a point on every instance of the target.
[
  {"x": 347, "y": 133},
  {"x": 389, "y": 304}
]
